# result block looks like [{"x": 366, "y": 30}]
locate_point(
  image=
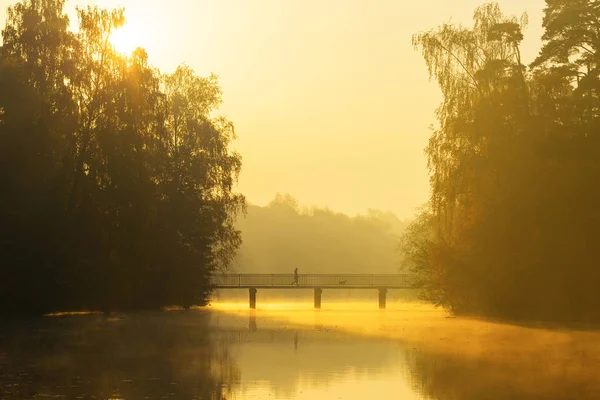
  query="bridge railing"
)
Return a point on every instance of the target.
[{"x": 313, "y": 280}]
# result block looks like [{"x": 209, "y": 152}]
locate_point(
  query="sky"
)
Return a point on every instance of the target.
[{"x": 330, "y": 101}]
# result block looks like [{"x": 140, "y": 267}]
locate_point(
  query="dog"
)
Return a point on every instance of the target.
[{"x": 343, "y": 282}]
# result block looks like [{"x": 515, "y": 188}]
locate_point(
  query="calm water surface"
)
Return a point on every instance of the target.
[{"x": 229, "y": 352}]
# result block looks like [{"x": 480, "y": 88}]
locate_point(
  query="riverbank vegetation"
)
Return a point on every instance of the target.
[
  {"x": 116, "y": 178},
  {"x": 513, "y": 221}
]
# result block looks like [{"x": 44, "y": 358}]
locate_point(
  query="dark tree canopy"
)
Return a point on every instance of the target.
[
  {"x": 515, "y": 165},
  {"x": 117, "y": 183}
]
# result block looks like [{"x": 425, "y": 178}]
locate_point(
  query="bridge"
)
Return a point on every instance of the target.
[{"x": 317, "y": 282}]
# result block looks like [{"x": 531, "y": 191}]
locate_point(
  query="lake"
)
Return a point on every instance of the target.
[{"x": 290, "y": 351}]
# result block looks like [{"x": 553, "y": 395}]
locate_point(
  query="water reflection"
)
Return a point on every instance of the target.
[
  {"x": 140, "y": 356},
  {"x": 307, "y": 354},
  {"x": 424, "y": 355},
  {"x": 286, "y": 360},
  {"x": 252, "y": 321},
  {"x": 444, "y": 376}
]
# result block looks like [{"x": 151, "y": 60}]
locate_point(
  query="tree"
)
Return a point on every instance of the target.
[
  {"x": 284, "y": 235},
  {"x": 484, "y": 110},
  {"x": 513, "y": 166},
  {"x": 571, "y": 53},
  {"x": 119, "y": 181}
]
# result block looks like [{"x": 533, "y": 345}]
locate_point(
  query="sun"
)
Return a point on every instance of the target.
[{"x": 127, "y": 38}]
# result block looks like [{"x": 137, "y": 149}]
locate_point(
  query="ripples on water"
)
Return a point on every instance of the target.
[{"x": 289, "y": 351}]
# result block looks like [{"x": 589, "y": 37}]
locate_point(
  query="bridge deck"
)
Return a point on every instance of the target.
[{"x": 308, "y": 281}]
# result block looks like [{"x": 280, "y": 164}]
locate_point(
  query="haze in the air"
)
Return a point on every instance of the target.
[
  {"x": 330, "y": 101},
  {"x": 231, "y": 199}
]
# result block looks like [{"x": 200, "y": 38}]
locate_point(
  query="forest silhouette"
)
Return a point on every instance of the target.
[
  {"x": 513, "y": 223},
  {"x": 116, "y": 179},
  {"x": 283, "y": 235}
]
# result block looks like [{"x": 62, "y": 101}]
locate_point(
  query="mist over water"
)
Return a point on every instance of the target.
[
  {"x": 121, "y": 194},
  {"x": 441, "y": 357},
  {"x": 287, "y": 350}
]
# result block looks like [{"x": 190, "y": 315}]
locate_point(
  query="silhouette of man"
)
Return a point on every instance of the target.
[{"x": 295, "y": 277}]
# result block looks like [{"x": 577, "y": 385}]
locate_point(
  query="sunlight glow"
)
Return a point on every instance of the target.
[
  {"x": 330, "y": 305},
  {"x": 128, "y": 38}
]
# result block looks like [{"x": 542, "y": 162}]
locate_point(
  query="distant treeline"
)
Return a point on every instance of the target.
[
  {"x": 513, "y": 225},
  {"x": 283, "y": 236},
  {"x": 116, "y": 183}
]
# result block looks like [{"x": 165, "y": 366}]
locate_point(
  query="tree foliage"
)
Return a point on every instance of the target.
[
  {"x": 513, "y": 167},
  {"x": 116, "y": 181},
  {"x": 283, "y": 236}
]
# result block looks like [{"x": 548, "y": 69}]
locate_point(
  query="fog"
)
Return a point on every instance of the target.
[{"x": 285, "y": 235}]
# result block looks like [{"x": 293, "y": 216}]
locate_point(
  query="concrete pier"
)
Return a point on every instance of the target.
[{"x": 382, "y": 297}]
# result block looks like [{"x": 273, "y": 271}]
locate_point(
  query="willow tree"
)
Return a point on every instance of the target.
[
  {"x": 484, "y": 107},
  {"x": 514, "y": 167}
]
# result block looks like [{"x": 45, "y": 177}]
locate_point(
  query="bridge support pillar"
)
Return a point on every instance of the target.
[
  {"x": 382, "y": 297},
  {"x": 318, "y": 292},
  {"x": 252, "y": 298}
]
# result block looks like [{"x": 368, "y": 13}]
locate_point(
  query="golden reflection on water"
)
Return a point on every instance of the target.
[
  {"x": 462, "y": 358},
  {"x": 288, "y": 350}
]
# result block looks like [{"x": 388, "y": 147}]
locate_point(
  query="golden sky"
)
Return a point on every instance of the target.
[{"x": 330, "y": 101}]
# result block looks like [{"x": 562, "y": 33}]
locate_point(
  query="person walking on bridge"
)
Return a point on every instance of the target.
[{"x": 295, "y": 277}]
